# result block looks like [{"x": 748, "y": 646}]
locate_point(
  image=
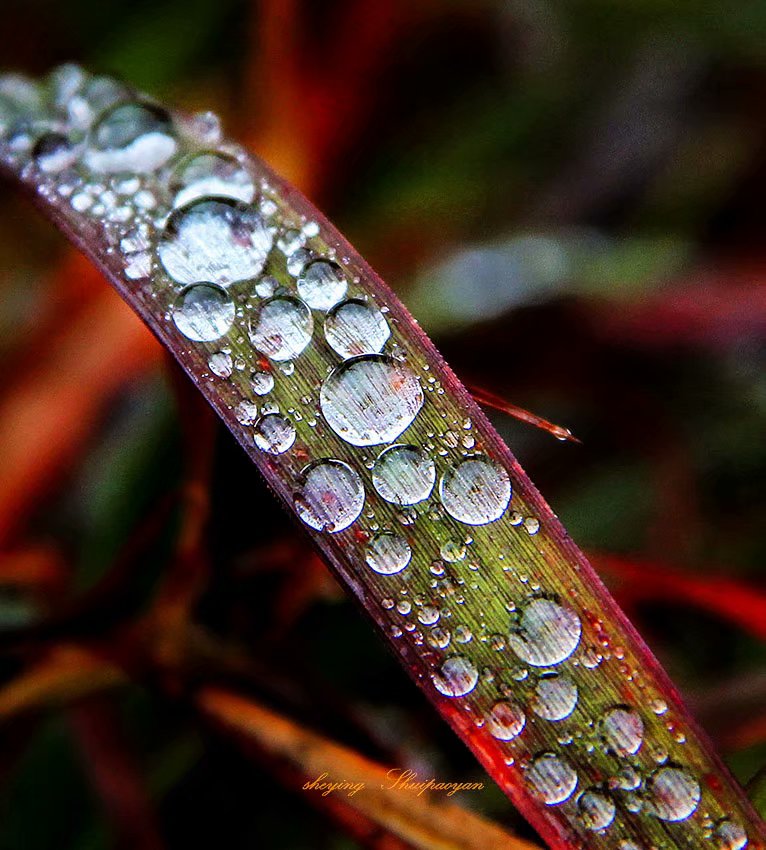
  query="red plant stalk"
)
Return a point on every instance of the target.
[{"x": 369, "y": 439}]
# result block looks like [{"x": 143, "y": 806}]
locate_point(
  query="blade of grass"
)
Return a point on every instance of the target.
[{"x": 493, "y": 610}]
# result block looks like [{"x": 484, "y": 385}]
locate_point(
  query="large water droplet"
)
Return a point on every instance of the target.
[
  {"x": 355, "y": 327},
  {"x": 544, "y": 633},
  {"x": 403, "y": 475},
  {"x": 211, "y": 174},
  {"x": 457, "y": 676},
  {"x": 203, "y": 313},
  {"x": 595, "y": 809},
  {"x": 331, "y": 496},
  {"x": 551, "y": 778},
  {"x": 274, "y": 434},
  {"x": 134, "y": 137},
  {"x": 322, "y": 284},
  {"x": 216, "y": 239},
  {"x": 622, "y": 730},
  {"x": 730, "y": 835},
  {"x": 675, "y": 793},
  {"x": 388, "y": 553},
  {"x": 370, "y": 400},
  {"x": 53, "y": 152},
  {"x": 475, "y": 490},
  {"x": 282, "y": 328},
  {"x": 505, "y": 720},
  {"x": 555, "y": 697}
]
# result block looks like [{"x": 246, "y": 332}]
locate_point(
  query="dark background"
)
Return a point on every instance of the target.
[{"x": 569, "y": 197}]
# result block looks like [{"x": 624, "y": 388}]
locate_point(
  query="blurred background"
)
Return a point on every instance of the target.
[{"x": 569, "y": 197}]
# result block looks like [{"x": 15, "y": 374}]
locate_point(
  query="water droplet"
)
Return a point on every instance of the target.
[
  {"x": 622, "y": 730},
  {"x": 297, "y": 260},
  {"x": 532, "y": 525},
  {"x": 730, "y": 835},
  {"x": 675, "y": 793},
  {"x": 266, "y": 286},
  {"x": 551, "y": 778},
  {"x": 388, "y": 553},
  {"x": 370, "y": 400},
  {"x": 463, "y": 634},
  {"x": 355, "y": 327},
  {"x": 555, "y": 697},
  {"x": 544, "y": 633},
  {"x": 274, "y": 433},
  {"x": 457, "y": 676},
  {"x": 439, "y": 638},
  {"x": 282, "y": 328},
  {"x": 322, "y": 284},
  {"x": 505, "y": 720},
  {"x": 203, "y": 313},
  {"x": 53, "y": 152},
  {"x": 214, "y": 239},
  {"x": 596, "y": 810},
  {"x": 246, "y": 412},
  {"x": 220, "y": 364},
  {"x": 211, "y": 174},
  {"x": 475, "y": 490},
  {"x": 331, "y": 496},
  {"x": 131, "y": 137},
  {"x": 428, "y": 615},
  {"x": 262, "y": 383},
  {"x": 453, "y": 551},
  {"x": 403, "y": 475}
]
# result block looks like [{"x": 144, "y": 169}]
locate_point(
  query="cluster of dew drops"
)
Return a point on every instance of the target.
[{"x": 204, "y": 221}]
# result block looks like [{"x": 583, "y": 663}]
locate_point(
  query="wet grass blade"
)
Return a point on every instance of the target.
[{"x": 368, "y": 438}]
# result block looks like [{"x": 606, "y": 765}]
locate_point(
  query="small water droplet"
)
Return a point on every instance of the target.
[
  {"x": 220, "y": 364},
  {"x": 53, "y": 152},
  {"x": 439, "y": 638},
  {"x": 282, "y": 328},
  {"x": 246, "y": 412},
  {"x": 595, "y": 809},
  {"x": 475, "y": 490},
  {"x": 730, "y": 835},
  {"x": 428, "y": 615},
  {"x": 453, "y": 551},
  {"x": 505, "y": 720},
  {"x": 203, "y": 313},
  {"x": 551, "y": 778},
  {"x": 211, "y": 174},
  {"x": 274, "y": 433},
  {"x": 331, "y": 496},
  {"x": 622, "y": 730},
  {"x": 322, "y": 284},
  {"x": 675, "y": 793},
  {"x": 355, "y": 327},
  {"x": 532, "y": 525},
  {"x": 463, "y": 634},
  {"x": 266, "y": 286},
  {"x": 544, "y": 633},
  {"x": 262, "y": 383},
  {"x": 131, "y": 137},
  {"x": 555, "y": 697},
  {"x": 370, "y": 400},
  {"x": 214, "y": 239},
  {"x": 403, "y": 475},
  {"x": 457, "y": 676},
  {"x": 388, "y": 553}
]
